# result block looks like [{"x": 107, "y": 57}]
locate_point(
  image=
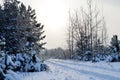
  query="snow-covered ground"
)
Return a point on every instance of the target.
[{"x": 76, "y": 70}]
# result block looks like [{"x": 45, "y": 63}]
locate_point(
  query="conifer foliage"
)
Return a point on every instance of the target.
[{"x": 20, "y": 28}]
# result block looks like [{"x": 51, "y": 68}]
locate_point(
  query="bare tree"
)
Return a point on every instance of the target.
[
  {"x": 87, "y": 30},
  {"x": 70, "y": 40}
]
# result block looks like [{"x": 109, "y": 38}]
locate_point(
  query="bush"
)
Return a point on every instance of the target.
[{"x": 20, "y": 63}]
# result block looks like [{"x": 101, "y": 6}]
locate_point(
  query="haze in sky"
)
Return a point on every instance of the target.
[{"x": 54, "y": 15}]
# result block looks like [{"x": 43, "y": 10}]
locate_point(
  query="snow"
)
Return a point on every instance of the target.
[
  {"x": 9, "y": 61},
  {"x": 76, "y": 70},
  {"x": 17, "y": 63},
  {"x": 19, "y": 57},
  {"x": 33, "y": 52},
  {"x": 12, "y": 76}
]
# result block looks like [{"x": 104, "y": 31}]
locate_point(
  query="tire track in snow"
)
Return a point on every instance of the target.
[
  {"x": 86, "y": 72},
  {"x": 85, "y": 65},
  {"x": 104, "y": 71}
]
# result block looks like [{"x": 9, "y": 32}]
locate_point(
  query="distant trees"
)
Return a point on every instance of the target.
[
  {"x": 87, "y": 31},
  {"x": 19, "y": 27},
  {"x": 57, "y": 53}
]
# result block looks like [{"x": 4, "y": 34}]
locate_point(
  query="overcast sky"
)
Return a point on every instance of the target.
[{"x": 54, "y": 15}]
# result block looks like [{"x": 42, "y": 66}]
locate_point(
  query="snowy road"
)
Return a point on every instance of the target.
[{"x": 75, "y": 70}]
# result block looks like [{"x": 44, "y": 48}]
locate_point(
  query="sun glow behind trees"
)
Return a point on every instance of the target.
[{"x": 55, "y": 20}]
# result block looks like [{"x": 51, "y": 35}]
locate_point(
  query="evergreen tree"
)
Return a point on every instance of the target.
[
  {"x": 115, "y": 43},
  {"x": 20, "y": 28},
  {"x": 21, "y": 33}
]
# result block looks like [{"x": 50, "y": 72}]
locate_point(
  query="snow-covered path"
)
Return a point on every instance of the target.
[{"x": 76, "y": 70}]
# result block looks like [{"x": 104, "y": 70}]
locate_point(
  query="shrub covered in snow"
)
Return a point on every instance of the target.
[
  {"x": 113, "y": 57},
  {"x": 20, "y": 63},
  {"x": 97, "y": 57}
]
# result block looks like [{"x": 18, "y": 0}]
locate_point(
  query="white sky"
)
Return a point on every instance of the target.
[{"x": 54, "y": 15}]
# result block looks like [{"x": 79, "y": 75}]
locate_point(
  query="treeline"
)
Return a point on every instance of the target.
[
  {"x": 57, "y": 53},
  {"x": 111, "y": 53}
]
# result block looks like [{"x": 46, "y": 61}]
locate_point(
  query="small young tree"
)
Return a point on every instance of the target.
[{"x": 115, "y": 43}]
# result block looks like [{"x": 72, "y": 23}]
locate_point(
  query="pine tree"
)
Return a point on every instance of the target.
[
  {"x": 36, "y": 31},
  {"x": 20, "y": 28}
]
